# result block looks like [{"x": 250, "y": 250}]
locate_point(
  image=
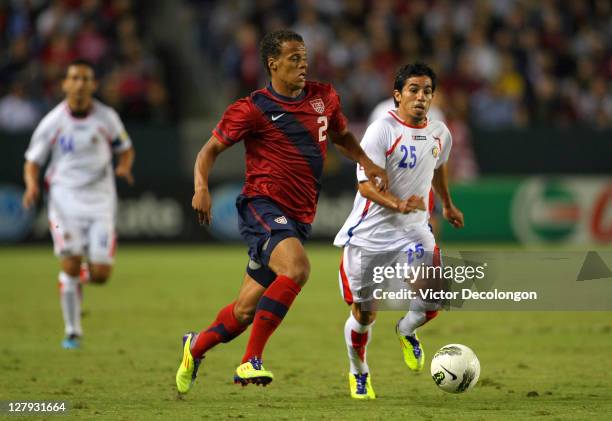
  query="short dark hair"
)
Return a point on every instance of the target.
[
  {"x": 271, "y": 44},
  {"x": 81, "y": 62},
  {"x": 413, "y": 69}
]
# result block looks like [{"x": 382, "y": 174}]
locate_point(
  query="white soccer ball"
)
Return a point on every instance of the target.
[{"x": 455, "y": 368}]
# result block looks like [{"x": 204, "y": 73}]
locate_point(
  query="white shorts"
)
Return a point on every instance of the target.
[
  {"x": 419, "y": 248},
  {"x": 92, "y": 237}
]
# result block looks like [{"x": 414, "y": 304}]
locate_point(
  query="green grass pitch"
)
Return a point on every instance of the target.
[{"x": 133, "y": 327}]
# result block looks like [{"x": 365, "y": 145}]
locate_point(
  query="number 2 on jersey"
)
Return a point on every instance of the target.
[
  {"x": 322, "y": 120},
  {"x": 413, "y": 157}
]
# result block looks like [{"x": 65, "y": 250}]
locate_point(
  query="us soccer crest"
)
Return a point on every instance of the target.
[{"x": 318, "y": 105}]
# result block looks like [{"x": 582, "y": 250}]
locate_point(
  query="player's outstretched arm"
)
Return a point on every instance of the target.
[
  {"x": 347, "y": 144},
  {"x": 201, "y": 202},
  {"x": 31, "y": 172},
  {"x": 440, "y": 185},
  {"x": 389, "y": 200},
  {"x": 124, "y": 165}
]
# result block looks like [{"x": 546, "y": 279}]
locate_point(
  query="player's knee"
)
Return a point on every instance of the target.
[
  {"x": 298, "y": 271},
  {"x": 363, "y": 317},
  {"x": 71, "y": 265},
  {"x": 99, "y": 274},
  {"x": 99, "y": 279}
]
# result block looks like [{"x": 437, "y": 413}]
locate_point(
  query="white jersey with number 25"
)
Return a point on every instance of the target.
[{"x": 409, "y": 154}]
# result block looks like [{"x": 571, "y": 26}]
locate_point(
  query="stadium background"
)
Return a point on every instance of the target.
[{"x": 524, "y": 86}]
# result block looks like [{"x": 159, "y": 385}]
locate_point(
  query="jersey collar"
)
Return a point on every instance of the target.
[
  {"x": 395, "y": 116},
  {"x": 286, "y": 98}
]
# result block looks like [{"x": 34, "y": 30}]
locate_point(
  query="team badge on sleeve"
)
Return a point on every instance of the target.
[
  {"x": 318, "y": 105},
  {"x": 435, "y": 151},
  {"x": 123, "y": 136}
]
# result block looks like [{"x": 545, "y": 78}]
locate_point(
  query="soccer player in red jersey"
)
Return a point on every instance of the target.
[{"x": 284, "y": 127}]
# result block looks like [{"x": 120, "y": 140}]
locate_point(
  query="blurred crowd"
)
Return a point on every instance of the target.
[
  {"x": 501, "y": 63},
  {"x": 39, "y": 37}
]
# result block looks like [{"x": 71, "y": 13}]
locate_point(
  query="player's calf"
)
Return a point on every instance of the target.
[
  {"x": 224, "y": 328},
  {"x": 70, "y": 301},
  {"x": 357, "y": 335},
  {"x": 244, "y": 313}
]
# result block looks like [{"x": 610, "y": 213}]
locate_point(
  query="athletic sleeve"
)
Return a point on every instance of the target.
[
  {"x": 375, "y": 143},
  {"x": 120, "y": 140},
  {"x": 338, "y": 122},
  {"x": 237, "y": 123},
  {"x": 446, "y": 143},
  {"x": 40, "y": 143}
]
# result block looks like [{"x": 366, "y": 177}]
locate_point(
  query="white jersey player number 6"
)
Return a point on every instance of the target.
[{"x": 322, "y": 128}]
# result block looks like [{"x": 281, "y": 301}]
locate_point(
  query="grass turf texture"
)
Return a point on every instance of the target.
[{"x": 132, "y": 347}]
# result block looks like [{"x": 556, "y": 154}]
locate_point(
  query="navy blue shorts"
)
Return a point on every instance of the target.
[{"x": 263, "y": 224}]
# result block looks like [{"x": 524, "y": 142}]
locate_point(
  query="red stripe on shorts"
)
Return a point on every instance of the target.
[{"x": 346, "y": 289}]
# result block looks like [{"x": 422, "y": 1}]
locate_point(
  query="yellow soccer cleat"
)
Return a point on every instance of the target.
[
  {"x": 361, "y": 387},
  {"x": 414, "y": 355},
  {"x": 253, "y": 372},
  {"x": 188, "y": 370}
]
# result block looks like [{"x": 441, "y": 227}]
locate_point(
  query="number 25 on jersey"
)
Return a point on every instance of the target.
[{"x": 411, "y": 156}]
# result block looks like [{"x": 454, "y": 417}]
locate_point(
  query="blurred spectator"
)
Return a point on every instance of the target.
[
  {"x": 17, "y": 111},
  {"x": 90, "y": 44},
  {"x": 463, "y": 165},
  {"x": 595, "y": 104},
  {"x": 513, "y": 63},
  {"x": 241, "y": 62},
  {"x": 516, "y": 62},
  {"x": 40, "y": 37}
]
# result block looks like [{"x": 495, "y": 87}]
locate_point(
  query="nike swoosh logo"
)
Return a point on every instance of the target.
[
  {"x": 276, "y": 117},
  {"x": 267, "y": 318},
  {"x": 452, "y": 374}
]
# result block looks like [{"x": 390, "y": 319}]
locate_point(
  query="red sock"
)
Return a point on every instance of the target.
[
  {"x": 225, "y": 328},
  {"x": 432, "y": 314},
  {"x": 271, "y": 310},
  {"x": 359, "y": 341}
]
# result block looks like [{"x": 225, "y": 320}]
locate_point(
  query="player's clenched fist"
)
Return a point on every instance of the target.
[
  {"x": 453, "y": 215},
  {"x": 201, "y": 204}
]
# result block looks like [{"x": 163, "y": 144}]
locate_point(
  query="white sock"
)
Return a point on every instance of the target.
[
  {"x": 71, "y": 303},
  {"x": 357, "y": 338},
  {"x": 416, "y": 316},
  {"x": 408, "y": 324}
]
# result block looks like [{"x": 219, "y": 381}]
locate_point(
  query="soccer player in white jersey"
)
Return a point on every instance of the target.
[
  {"x": 81, "y": 134},
  {"x": 414, "y": 152}
]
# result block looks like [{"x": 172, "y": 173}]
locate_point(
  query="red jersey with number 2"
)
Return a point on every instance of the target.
[{"x": 286, "y": 143}]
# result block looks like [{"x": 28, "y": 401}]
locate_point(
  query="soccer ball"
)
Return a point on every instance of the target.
[{"x": 455, "y": 368}]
